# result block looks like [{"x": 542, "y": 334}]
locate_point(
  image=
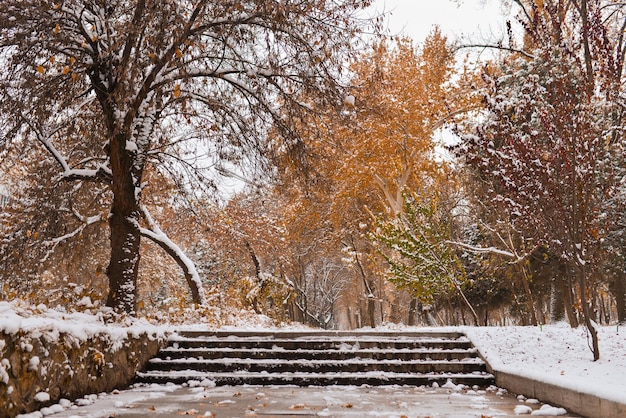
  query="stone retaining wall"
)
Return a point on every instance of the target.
[{"x": 37, "y": 370}]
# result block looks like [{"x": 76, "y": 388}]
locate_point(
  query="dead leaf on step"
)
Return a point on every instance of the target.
[
  {"x": 189, "y": 412},
  {"x": 236, "y": 395},
  {"x": 152, "y": 408},
  {"x": 298, "y": 406},
  {"x": 347, "y": 405}
]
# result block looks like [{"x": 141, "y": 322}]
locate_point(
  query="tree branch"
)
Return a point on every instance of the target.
[
  {"x": 500, "y": 47},
  {"x": 56, "y": 241},
  {"x": 156, "y": 235}
]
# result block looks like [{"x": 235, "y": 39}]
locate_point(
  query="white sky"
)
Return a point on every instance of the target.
[{"x": 477, "y": 20}]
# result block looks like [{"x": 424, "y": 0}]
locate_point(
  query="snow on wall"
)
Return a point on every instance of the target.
[{"x": 47, "y": 355}]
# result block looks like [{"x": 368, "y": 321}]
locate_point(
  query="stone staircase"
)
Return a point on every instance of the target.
[{"x": 318, "y": 358}]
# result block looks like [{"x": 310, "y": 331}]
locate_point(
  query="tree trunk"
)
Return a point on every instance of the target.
[
  {"x": 530, "y": 302},
  {"x": 618, "y": 289},
  {"x": 257, "y": 272},
  {"x": 591, "y": 326},
  {"x": 557, "y": 302},
  {"x": 371, "y": 310},
  {"x": 467, "y": 303},
  {"x": 369, "y": 288},
  {"x": 568, "y": 290},
  {"x": 413, "y": 312},
  {"x": 124, "y": 223}
]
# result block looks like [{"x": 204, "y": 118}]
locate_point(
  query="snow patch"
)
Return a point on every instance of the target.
[
  {"x": 42, "y": 397},
  {"x": 33, "y": 363},
  {"x": 522, "y": 410},
  {"x": 548, "y": 410}
]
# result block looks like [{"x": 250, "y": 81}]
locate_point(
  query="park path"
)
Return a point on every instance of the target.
[{"x": 290, "y": 401}]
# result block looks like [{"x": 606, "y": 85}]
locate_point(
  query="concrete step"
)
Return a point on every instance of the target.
[
  {"x": 481, "y": 379},
  {"x": 346, "y": 344},
  {"x": 263, "y": 353},
  {"x": 319, "y": 333},
  {"x": 318, "y": 358},
  {"x": 318, "y": 366}
]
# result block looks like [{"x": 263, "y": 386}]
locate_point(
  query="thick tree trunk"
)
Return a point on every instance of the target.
[{"x": 124, "y": 223}]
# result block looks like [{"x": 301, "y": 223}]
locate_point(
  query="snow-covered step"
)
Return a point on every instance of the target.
[
  {"x": 372, "y": 353},
  {"x": 482, "y": 379},
  {"x": 351, "y": 343},
  {"x": 354, "y": 365},
  {"x": 371, "y": 334},
  {"x": 318, "y": 358}
]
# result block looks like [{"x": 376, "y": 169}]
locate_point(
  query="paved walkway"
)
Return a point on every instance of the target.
[{"x": 289, "y": 401}]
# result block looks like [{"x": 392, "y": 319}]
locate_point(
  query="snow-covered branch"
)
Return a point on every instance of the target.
[
  {"x": 54, "y": 243},
  {"x": 485, "y": 250},
  {"x": 68, "y": 173},
  {"x": 155, "y": 234},
  {"x": 500, "y": 47}
]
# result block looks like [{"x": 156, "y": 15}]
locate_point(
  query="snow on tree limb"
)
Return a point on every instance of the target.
[
  {"x": 486, "y": 250},
  {"x": 87, "y": 221},
  {"x": 155, "y": 234},
  {"x": 68, "y": 173}
]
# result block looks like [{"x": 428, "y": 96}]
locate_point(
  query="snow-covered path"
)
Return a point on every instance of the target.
[{"x": 288, "y": 401}]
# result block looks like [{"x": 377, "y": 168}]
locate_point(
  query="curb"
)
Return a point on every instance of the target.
[{"x": 581, "y": 403}]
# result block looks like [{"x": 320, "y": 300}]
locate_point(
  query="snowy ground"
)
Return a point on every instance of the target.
[{"x": 559, "y": 355}]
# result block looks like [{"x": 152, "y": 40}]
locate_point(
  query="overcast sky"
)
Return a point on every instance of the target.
[{"x": 478, "y": 19}]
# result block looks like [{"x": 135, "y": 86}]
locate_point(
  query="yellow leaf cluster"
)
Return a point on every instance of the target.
[{"x": 384, "y": 140}]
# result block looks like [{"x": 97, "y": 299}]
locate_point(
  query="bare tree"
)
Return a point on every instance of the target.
[{"x": 176, "y": 85}]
